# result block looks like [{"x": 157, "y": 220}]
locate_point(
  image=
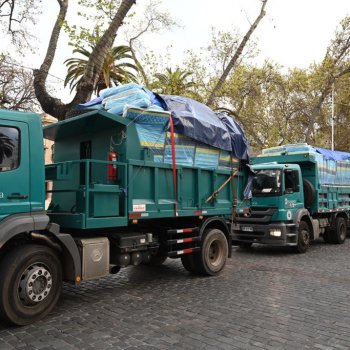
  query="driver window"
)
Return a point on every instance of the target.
[
  {"x": 9, "y": 148},
  {"x": 292, "y": 181}
]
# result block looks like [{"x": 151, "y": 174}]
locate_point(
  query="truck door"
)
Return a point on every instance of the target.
[
  {"x": 293, "y": 198},
  {"x": 14, "y": 168}
]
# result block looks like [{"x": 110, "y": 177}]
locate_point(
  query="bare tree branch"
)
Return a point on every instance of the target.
[{"x": 237, "y": 54}]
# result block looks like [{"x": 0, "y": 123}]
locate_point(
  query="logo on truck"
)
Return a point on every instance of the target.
[{"x": 290, "y": 204}]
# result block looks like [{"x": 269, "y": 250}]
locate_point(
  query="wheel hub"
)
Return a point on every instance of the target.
[
  {"x": 215, "y": 254},
  {"x": 306, "y": 237},
  {"x": 35, "y": 284},
  {"x": 342, "y": 230}
]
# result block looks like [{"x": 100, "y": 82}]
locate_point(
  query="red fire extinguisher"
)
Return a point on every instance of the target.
[{"x": 112, "y": 171}]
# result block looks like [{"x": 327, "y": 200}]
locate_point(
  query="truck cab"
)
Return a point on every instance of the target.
[
  {"x": 277, "y": 197},
  {"x": 22, "y": 191}
]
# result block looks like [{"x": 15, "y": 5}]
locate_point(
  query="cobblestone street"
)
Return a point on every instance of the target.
[{"x": 266, "y": 298}]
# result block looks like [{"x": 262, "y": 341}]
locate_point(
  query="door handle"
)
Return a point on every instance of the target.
[{"x": 17, "y": 196}]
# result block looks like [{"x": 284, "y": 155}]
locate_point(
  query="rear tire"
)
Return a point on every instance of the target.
[
  {"x": 214, "y": 251},
  {"x": 189, "y": 263},
  {"x": 304, "y": 238},
  {"x": 157, "y": 260},
  {"x": 31, "y": 283},
  {"x": 327, "y": 236},
  {"x": 339, "y": 234}
]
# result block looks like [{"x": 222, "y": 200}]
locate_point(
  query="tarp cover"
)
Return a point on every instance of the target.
[
  {"x": 199, "y": 122},
  {"x": 335, "y": 155},
  {"x": 191, "y": 118}
]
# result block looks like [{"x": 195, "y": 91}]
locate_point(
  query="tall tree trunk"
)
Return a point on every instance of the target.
[
  {"x": 50, "y": 104},
  {"x": 55, "y": 106},
  {"x": 237, "y": 54}
]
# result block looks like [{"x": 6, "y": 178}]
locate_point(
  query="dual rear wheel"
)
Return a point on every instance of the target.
[{"x": 336, "y": 234}]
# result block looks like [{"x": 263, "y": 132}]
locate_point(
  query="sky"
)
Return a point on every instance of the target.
[{"x": 294, "y": 33}]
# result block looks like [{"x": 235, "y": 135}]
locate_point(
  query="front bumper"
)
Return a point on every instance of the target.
[{"x": 260, "y": 233}]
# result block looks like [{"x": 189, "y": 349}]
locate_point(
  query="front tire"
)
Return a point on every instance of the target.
[
  {"x": 304, "y": 238},
  {"x": 31, "y": 283}
]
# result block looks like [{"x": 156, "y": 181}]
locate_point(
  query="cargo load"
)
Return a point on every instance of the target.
[
  {"x": 202, "y": 138},
  {"x": 333, "y": 167}
]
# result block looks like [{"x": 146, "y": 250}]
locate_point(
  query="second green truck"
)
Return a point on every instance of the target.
[{"x": 297, "y": 194}]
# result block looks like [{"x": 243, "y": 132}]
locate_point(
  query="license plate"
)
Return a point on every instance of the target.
[{"x": 247, "y": 228}]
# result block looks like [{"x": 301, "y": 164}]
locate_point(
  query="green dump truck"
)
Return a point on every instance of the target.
[
  {"x": 298, "y": 193},
  {"x": 124, "y": 191}
]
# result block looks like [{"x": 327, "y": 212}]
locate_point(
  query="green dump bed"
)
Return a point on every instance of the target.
[
  {"x": 327, "y": 171},
  {"x": 146, "y": 185}
]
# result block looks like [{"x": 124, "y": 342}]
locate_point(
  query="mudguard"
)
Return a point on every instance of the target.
[
  {"x": 21, "y": 223},
  {"x": 299, "y": 214}
]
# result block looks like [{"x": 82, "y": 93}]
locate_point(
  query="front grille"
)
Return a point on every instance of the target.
[{"x": 258, "y": 214}]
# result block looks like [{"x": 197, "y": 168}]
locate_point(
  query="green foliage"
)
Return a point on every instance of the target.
[
  {"x": 97, "y": 14},
  {"x": 275, "y": 106},
  {"x": 117, "y": 68},
  {"x": 174, "y": 82},
  {"x": 222, "y": 47}
]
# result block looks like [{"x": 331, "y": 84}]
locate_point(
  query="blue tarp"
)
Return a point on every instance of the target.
[
  {"x": 191, "y": 118},
  {"x": 335, "y": 155},
  {"x": 198, "y": 121},
  {"x": 239, "y": 142},
  {"x": 90, "y": 104}
]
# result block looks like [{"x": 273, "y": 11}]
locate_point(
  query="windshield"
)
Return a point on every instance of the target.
[{"x": 267, "y": 182}]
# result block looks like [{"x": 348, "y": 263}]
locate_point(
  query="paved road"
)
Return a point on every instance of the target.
[{"x": 265, "y": 299}]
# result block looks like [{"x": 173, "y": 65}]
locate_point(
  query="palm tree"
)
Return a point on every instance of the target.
[
  {"x": 174, "y": 82},
  {"x": 6, "y": 147},
  {"x": 116, "y": 68}
]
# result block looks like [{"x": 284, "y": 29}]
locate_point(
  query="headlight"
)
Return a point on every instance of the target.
[{"x": 275, "y": 233}]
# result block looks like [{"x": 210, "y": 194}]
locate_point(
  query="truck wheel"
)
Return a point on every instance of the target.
[
  {"x": 327, "y": 236},
  {"x": 31, "y": 283},
  {"x": 304, "y": 237},
  {"x": 157, "y": 260},
  {"x": 339, "y": 234},
  {"x": 214, "y": 252},
  {"x": 189, "y": 263}
]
